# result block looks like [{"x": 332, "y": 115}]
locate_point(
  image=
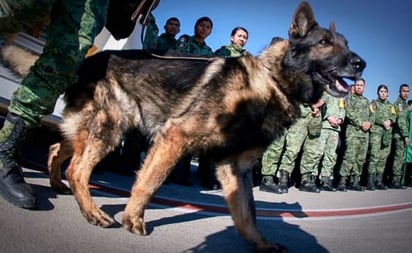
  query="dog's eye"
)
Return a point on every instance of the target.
[{"x": 324, "y": 42}]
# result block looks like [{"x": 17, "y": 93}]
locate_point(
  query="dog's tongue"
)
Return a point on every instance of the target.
[
  {"x": 341, "y": 86},
  {"x": 338, "y": 89}
]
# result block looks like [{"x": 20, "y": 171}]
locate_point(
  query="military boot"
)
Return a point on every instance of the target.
[
  {"x": 12, "y": 185},
  {"x": 354, "y": 184},
  {"x": 283, "y": 181},
  {"x": 308, "y": 183},
  {"x": 371, "y": 182},
  {"x": 396, "y": 183},
  {"x": 379, "y": 183},
  {"x": 327, "y": 184},
  {"x": 268, "y": 185},
  {"x": 342, "y": 184}
]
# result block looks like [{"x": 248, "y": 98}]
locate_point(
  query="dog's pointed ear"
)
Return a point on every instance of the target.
[
  {"x": 332, "y": 27},
  {"x": 303, "y": 21}
]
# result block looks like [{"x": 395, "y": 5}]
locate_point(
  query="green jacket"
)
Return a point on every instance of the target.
[
  {"x": 401, "y": 126},
  {"x": 357, "y": 112},
  {"x": 187, "y": 44},
  {"x": 230, "y": 51}
]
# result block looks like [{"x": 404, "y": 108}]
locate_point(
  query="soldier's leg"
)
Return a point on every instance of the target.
[
  {"x": 295, "y": 138},
  {"x": 347, "y": 161},
  {"x": 312, "y": 153},
  {"x": 398, "y": 164},
  {"x": 270, "y": 161},
  {"x": 374, "y": 157},
  {"x": 384, "y": 154},
  {"x": 360, "y": 158},
  {"x": 74, "y": 25},
  {"x": 329, "y": 160}
]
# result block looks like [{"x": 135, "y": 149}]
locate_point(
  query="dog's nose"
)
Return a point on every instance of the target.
[{"x": 358, "y": 63}]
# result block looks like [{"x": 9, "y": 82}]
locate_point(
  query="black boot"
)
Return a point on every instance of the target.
[
  {"x": 327, "y": 184},
  {"x": 308, "y": 183},
  {"x": 268, "y": 185},
  {"x": 371, "y": 182},
  {"x": 283, "y": 181},
  {"x": 12, "y": 185},
  {"x": 354, "y": 184},
  {"x": 342, "y": 184},
  {"x": 396, "y": 183},
  {"x": 379, "y": 183}
]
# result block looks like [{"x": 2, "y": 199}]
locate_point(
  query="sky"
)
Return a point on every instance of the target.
[{"x": 380, "y": 31}]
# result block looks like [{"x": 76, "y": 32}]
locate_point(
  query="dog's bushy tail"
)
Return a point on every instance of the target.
[{"x": 17, "y": 59}]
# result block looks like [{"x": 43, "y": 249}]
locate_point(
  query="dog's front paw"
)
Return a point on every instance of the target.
[
  {"x": 60, "y": 187},
  {"x": 98, "y": 218},
  {"x": 135, "y": 225}
]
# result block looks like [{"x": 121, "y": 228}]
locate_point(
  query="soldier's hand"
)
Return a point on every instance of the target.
[
  {"x": 366, "y": 125},
  {"x": 406, "y": 141},
  {"x": 387, "y": 124}
]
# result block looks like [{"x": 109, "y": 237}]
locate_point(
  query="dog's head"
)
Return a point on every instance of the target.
[{"x": 320, "y": 58}]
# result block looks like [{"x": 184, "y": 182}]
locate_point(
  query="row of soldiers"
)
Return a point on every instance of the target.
[{"x": 336, "y": 138}]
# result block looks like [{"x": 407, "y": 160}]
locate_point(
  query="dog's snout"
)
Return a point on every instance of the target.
[{"x": 358, "y": 63}]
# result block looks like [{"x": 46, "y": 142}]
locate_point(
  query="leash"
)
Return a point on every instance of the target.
[
  {"x": 139, "y": 8},
  {"x": 171, "y": 57}
]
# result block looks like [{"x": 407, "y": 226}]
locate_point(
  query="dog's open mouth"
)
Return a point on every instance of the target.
[{"x": 334, "y": 85}]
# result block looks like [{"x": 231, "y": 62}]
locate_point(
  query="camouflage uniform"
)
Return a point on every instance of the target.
[
  {"x": 62, "y": 55},
  {"x": 230, "y": 51},
  {"x": 326, "y": 144},
  {"x": 400, "y": 132},
  {"x": 380, "y": 141},
  {"x": 189, "y": 45},
  {"x": 357, "y": 140}
]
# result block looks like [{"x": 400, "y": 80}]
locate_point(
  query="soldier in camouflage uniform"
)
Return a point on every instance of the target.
[
  {"x": 167, "y": 40},
  {"x": 238, "y": 39},
  {"x": 400, "y": 137},
  {"x": 196, "y": 44},
  {"x": 307, "y": 126},
  {"x": 359, "y": 122},
  {"x": 380, "y": 137},
  {"x": 71, "y": 32},
  {"x": 333, "y": 115}
]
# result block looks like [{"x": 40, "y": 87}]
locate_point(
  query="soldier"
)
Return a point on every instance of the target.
[
  {"x": 333, "y": 114},
  {"x": 380, "y": 138},
  {"x": 270, "y": 164},
  {"x": 196, "y": 44},
  {"x": 73, "y": 27},
  {"x": 400, "y": 137},
  {"x": 167, "y": 40},
  {"x": 295, "y": 139},
  {"x": 357, "y": 138}
]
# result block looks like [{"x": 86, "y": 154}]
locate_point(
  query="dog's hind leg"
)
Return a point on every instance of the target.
[
  {"x": 235, "y": 176},
  {"x": 58, "y": 153},
  {"x": 87, "y": 152},
  {"x": 162, "y": 156}
]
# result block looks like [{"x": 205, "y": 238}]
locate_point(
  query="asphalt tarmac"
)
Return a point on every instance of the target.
[{"x": 189, "y": 219}]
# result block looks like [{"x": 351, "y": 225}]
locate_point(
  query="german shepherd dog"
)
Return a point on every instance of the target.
[{"x": 230, "y": 107}]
